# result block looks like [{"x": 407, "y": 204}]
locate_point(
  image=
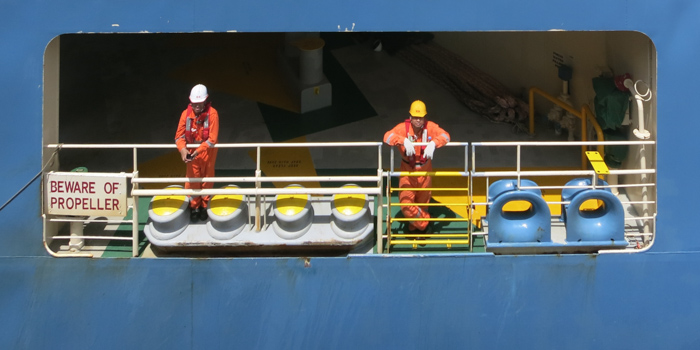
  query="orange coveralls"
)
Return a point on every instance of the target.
[
  {"x": 395, "y": 137},
  {"x": 203, "y": 164}
]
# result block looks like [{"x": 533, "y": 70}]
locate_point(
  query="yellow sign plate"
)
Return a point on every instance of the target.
[{"x": 597, "y": 162}]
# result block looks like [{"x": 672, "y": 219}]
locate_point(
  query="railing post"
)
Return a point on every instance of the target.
[
  {"x": 532, "y": 111},
  {"x": 470, "y": 201},
  {"x": 584, "y": 137},
  {"x": 258, "y": 173},
  {"x": 380, "y": 202},
  {"x": 518, "y": 148},
  {"x": 76, "y": 230},
  {"x": 135, "y": 212}
]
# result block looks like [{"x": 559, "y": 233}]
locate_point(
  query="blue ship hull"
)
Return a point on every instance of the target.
[{"x": 645, "y": 300}]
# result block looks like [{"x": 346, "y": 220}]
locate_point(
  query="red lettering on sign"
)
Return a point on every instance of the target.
[{"x": 72, "y": 186}]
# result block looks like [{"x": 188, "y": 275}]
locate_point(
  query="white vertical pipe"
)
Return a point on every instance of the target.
[
  {"x": 380, "y": 201},
  {"x": 76, "y": 230},
  {"x": 135, "y": 211},
  {"x": 518, "y": 147},
  {"x": 258, "y": 174},
  {"x": 643, "y": 134}
]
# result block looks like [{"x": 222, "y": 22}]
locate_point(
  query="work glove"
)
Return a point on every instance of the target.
[
  {"x": 410, "y": 150},
  {"x": 429, "y": 149}
]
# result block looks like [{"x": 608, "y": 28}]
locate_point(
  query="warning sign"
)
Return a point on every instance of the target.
[{"x": 85, "y": 194}]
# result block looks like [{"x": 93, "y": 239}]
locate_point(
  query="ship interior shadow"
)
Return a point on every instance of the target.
[{"x": 132, "y": 88}]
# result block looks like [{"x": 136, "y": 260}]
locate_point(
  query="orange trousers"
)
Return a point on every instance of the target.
[
  {"x": 202, "y": 166},
  {"x": 413, "y": 211}
]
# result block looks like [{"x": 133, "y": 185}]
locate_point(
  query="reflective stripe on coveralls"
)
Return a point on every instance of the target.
[
  {"x": 395, "y": 137},
  {"x": 204, "y": 163}
]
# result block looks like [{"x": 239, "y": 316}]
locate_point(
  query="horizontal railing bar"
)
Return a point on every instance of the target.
[
  {"x": 431, "y": 242},
  {"x": 350, "y": 144},
  {"x": 563, "y": 143},
  {"x": 585, "y": 187},
  {"x": 87, "y": 221},
  {"x": 435, "y": 189},
  {"x": 429, "y": 219},
  {"x": 253, "y": 191},
  {"x": 639, "y": 218},
  {"x": 569, "y": 202},
  {"x": 428, "y": 173},
  {"x": 367, "y": 178},
  {"x": 445, "y": 235},
  {"x": 107, "y": 238},
  {"x": 451, "y": 144},
  {"x": 558, "y": 173},
  {"x": 427, "y": 204},
  {"x": 220, "y": 145}
]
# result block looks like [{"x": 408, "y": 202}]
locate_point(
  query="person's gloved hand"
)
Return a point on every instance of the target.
[
  {"x": 429, "y": 150},
  {"x": 185, "y": 155},
  {"x": 410, "y": 150}
]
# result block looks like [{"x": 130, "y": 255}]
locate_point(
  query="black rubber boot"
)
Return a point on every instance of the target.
[
  {"x": 203, "y": 215},
  {"x": 194, "y": 214}
]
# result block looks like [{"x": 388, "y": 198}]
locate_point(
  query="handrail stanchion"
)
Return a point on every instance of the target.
[
  {"x": 518, "y": 166},
  {"x": 135, "y": 211},
  {"x": 532, "y": 111},
  {"x": 584, "y": 137},
  {"x": 258, "y": 173},
  {"x": 380, "y": 201},
  {"x": 470, "y": 200},
  {"x": 389, "y": 178}
]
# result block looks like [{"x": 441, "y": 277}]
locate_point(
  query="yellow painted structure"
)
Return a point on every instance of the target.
[
  {"x": 223, "y": 205},
  {"x": 597, "y": 162},
  {"x": 167, "y": 205},
  {"x": 350, "y": 204},
  {"x": 291, "y": 204}
]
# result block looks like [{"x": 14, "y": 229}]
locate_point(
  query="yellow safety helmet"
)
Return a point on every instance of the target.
[{"x": 418, "y": 109}]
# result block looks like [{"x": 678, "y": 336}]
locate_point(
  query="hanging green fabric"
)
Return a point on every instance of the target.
[
  {"x": 616, "y": 154},
  {"x": 610, "y": 103}
]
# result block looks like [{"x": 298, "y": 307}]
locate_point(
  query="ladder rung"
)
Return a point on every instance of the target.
[
  {"x": 428, "y": 219},
  {"x": 429, "y": 173},
  {"x": 435, "y": 189},
  {"x": 431, "y": 242},
  {"x": 440, "y": 235},
  {"x": 427, "y": 204},
  {"x": 108, "y": 238}
]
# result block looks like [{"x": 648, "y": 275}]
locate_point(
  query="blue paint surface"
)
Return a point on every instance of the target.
[{"x": 573, "y": 302}]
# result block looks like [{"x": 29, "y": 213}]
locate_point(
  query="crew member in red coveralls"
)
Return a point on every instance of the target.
[
  {"x": 416, "y": 158},
  {"x": 199, "y": 124}
]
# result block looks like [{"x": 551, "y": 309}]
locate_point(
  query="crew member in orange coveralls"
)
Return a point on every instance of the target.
[
  {"x": 199, "y": 124},
  {"x": 416, "y": 158}
]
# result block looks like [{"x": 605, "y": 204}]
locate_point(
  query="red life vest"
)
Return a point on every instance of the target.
[{"x": 203, "y": 120}]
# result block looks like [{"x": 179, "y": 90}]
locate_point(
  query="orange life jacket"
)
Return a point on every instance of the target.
[
  {"x": 419, "y": 157},
  {"x": 203, "y": 120}
]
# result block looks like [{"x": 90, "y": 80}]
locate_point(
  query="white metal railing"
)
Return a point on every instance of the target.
[
  {"x": 258, "y": 191},
  {"x": 649, "y": 220},
  {"x": 381, "y": 178},
  {"x": 391, "y": 173}
]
